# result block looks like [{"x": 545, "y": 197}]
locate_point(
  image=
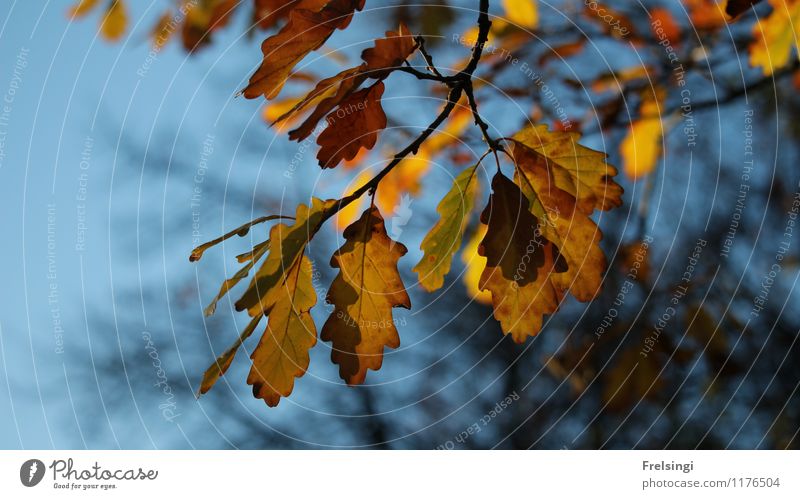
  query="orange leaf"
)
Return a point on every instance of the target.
[
  {"x": 388, "y": 53},
  {"x": 306, "y": 31}
]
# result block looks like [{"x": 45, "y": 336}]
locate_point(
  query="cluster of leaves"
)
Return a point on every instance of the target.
[
  {"x": 539, "y": 241},
  {"x": 536, "y": 241}
]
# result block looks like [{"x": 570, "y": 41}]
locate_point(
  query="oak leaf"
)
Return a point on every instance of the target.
[
  {"x": 519, "y": 262},
  {"x": 282, "y": 352},
  {"x": 286, "y": 244},
  {"x": 353, "y": 126},
  {"x": 363, "y": 294},
  {"x": 444, "y": 239},
  {"x": 305, "y": 31},
  {"x": 775, "y": 36},
  {"x": 224, "y": 361},
  {"x": 578, "y": 170},
  {"x": 388, "y": 53},
  {"x": 574, "y": 233}
]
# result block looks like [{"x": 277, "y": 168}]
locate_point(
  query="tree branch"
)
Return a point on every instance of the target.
[{"x": 461, "y": 82}]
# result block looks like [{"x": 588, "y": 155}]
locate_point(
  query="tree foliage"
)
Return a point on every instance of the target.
[{"x": 536, "y": 241}]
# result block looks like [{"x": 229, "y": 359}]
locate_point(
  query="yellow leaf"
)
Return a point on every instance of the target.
[
  {"x": 282, "y": 352},
  {"x": 364, "y": 292},
  {"x": 223, "y": 362},
  {"x": 444, "y": 239},
  {"x": 112, "y": 27},
  {"x": 523, "y": 13},
  {"x": 775, "y": 36},
  {"x": 474, "y": 264},
  {"x": 641, "y": 148},
  {"x": 577, "y": 170}
]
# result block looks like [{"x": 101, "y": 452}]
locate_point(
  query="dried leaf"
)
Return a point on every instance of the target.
[
  {"x": 388, "y": 53},
  {"x": 573, "y": 232},
  {"x": 519, "y": 261},
  {"x": 306, "y": 31},
  {"x": 578, "y": 170},
  {"x": 353, "y": 126}
]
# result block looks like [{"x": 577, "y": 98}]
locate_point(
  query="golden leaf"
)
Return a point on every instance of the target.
[{"x": 364, "y": 292}]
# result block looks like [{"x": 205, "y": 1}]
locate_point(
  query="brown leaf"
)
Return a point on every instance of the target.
[
  {"x": 388, "y": 53},
  {"x": 364, "y": 292},
  {"x": 738, "y": 7},
  {"x": 354, "y": 125},
  {"x": 519, "y": 261},
  {"x": 328, "y": 94},
  {"x": 306, "y": 31}
]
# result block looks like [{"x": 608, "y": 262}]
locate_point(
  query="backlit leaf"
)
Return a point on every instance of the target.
[
  {"x": 286, "y": 244},
  {"x": 306, "y": 31},
  {"x": 444, "y": 239},
  {"x": 363, "y": 294},
  {"x": 353, "y": 126},
  {"x": 519, "y": 261},
  {"x": 775, "y": 36}
]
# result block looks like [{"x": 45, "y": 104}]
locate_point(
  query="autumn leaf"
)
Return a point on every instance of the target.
[
  {"x": 573, "y": 232},
  {"x": 113, "y": 24},
  {"x": 578, "y": 170},
  {"x": 641, "y": 148},
  {"x": 282, "y": 352},
  {"x": 305, "y": 31},
  {"x": 363, "y": 294},
  {"x": 519, "y": 262},
  {"x": 388, "y": 53},
  {"x": 353, "y": 126},
  {"x": 328, "y": 94},
  {"x": 444, "y": 239},
  {"x": 224, "y": 361},
  {"x": 775, "y": 36},
  {"x": 286, "y": 244},
  {"x": 523, "y": 13},
  {"x": 474, "y": 264}
]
